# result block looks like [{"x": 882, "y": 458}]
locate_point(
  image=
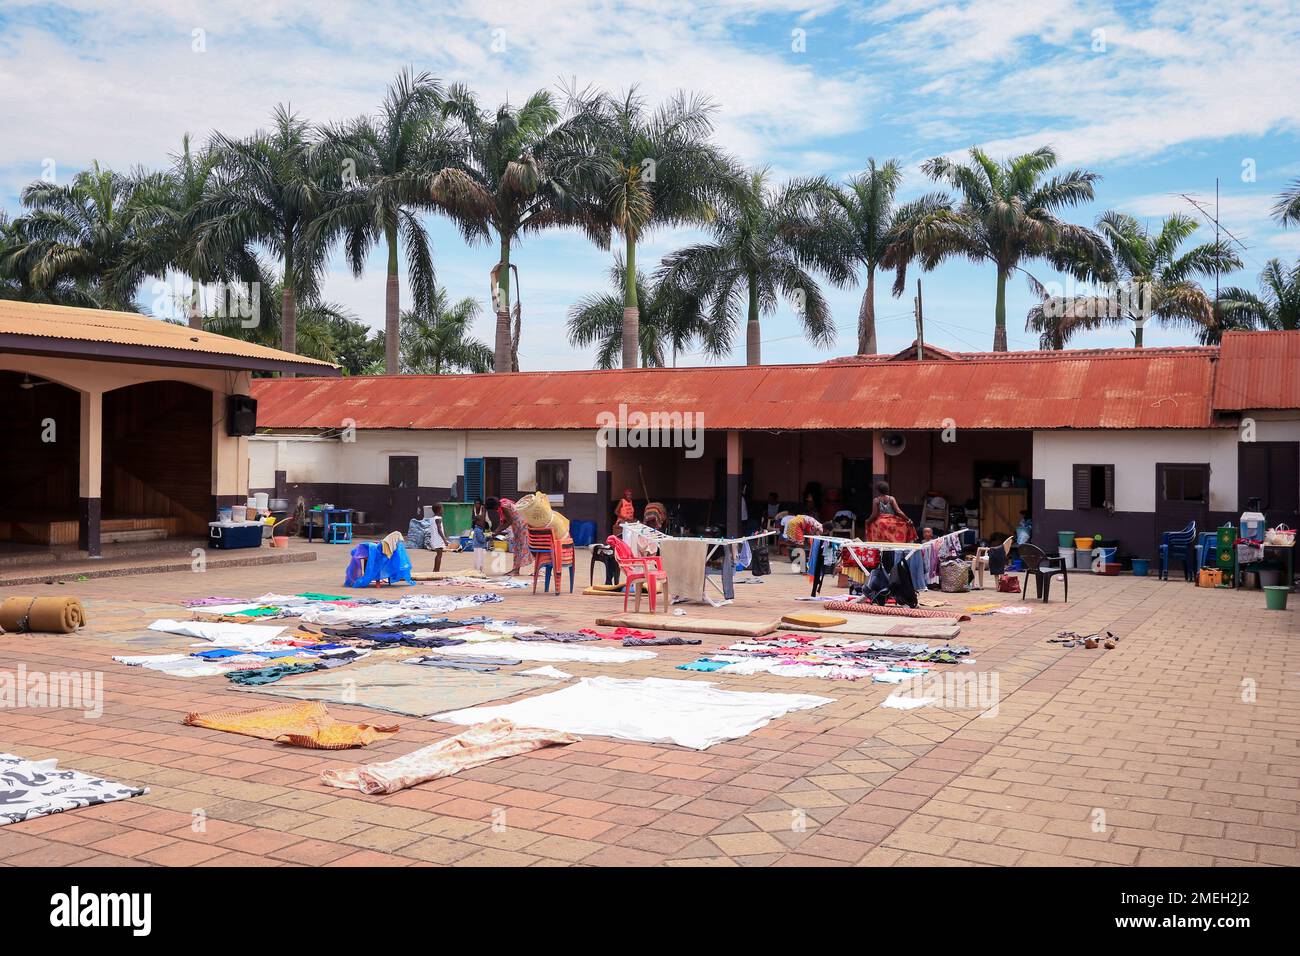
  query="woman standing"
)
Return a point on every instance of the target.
[{"x": 437, "y": 540}]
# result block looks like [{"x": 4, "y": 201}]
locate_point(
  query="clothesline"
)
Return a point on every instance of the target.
[{"x": 951, "y": 540}]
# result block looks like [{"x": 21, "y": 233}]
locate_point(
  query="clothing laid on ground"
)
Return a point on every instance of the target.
[
  {"x": 225, "y": 635},
  {"x": 306, "y": 724},
  {"x": 475, "y": 747},
  {"x": 691, "y": 713},
  {"x": 35, "y": 788},
  {"x": 530, "y": 651}
]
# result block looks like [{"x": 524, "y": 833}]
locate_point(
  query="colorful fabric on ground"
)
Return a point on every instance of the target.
[
  {"x": 306, "y": 724},
  {"x": 257, "y": 676},
  {"x": 475, "y": 747},
  {"x": 35, "y": 788}
]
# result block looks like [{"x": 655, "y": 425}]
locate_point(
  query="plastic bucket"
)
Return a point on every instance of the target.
[
  {"x": 1141, "y": 567},
  {"x": 1065, "y": 539},
  {"x": 1275, "y": 597},
  {"x": 1107, "y": 558},
  {"x": 1068, "y": 555},
  {"x": 1083, "y": 544},
  {"x": 1083, "y": 560},
  {"x": 280, "y": 541}
]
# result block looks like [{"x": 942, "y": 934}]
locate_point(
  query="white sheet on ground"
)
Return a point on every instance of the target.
[
  {"x": 691, "y": 713},
  {"x": 543, "y": 651},
  {"x": 221, "y": 634}
]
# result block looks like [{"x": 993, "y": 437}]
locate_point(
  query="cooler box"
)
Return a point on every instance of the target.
[{"x": 246, "y": 535}]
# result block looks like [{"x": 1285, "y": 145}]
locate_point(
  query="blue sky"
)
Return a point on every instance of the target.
[{"x": 1157, "y": 97}]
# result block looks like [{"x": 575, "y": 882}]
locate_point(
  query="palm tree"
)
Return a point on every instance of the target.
[
  {"x": 170, "y": 203},
  {"x": 669, "y": 320},
  {"x": 1276, "y": 306},
  {"x": 516, "y": 180},
  {"x": 1154, "y": 280},
  {"x": 396, "y": 157},
  {"x": 1287, "y": 208},
  {"x": 764, "y": 242},
  {"x": 1006, "y": 214},
  {"x": 71, "y": 245},
  {"x": 653, "y": 169},
  {"x": 873, "y": 233},
  {"x": 268, "y": 194},
  {"x": 437, "y": 339},
  {"x": 317, "y": 322}
]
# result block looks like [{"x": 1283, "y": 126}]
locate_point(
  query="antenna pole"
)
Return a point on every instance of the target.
[{"x": 920, "y": 323}]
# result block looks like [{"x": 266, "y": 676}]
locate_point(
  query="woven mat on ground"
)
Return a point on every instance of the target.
[
  {"x": 481, "y": 744},
  {"x": 444, "y": 575},
  {"x": 307, "y": 724},
  {"x": 401, "y": 688},
  {"x": 692, "y": 625},
  {"x": 870, "y": 625},
  {"x": 892, "y": 611},
  {"x": 608, "y": 590},
  {"x": 47, "y": 615}
]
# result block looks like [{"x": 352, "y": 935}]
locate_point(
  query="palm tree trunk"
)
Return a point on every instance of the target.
[
  {"x": 392, "y": 306},
  {"x": 1137, "y": 336},
  {"x": 196, "y": 308},
  {"x": 288, "y": 301},
  {"x": 631, "y": 310},
  {"x": 867, "y": 316},
  {"x": 1000, "y": 314},
  {"x": 753, "y": 350},
  {"x": 502, "y": 361}
]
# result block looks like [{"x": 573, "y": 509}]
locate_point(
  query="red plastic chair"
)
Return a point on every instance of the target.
[
  {"x": 550, "y": 553},
  {"x": 647, "y": 572}
]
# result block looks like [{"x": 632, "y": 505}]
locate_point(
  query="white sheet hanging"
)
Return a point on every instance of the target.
[{"x": 693, "y": 714}]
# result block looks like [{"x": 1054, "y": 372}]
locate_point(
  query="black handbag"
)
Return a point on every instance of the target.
[{"x": 760, "y": 562}]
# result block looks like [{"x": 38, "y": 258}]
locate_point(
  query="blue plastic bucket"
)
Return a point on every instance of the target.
[{"x": 1140, "y": 567}]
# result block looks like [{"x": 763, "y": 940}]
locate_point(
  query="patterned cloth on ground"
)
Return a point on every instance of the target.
[
  {"x": 306, "y": 724},
  {"x": 34, "y": 788},
  {"x": 473, "y": 748}
]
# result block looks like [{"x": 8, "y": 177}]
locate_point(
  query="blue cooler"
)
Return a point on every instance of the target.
[{"x": 246, "y": 535}]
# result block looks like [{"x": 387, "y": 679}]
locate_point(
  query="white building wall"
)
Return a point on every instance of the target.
[
  {"x": 442, "y": 455},
  {"x": 1135, "y": 455}
]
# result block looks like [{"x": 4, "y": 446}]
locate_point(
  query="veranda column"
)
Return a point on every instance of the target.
[
  {"x": 879, "y": 461},
  {"x": 734, "y": 457},
  {"x": 603, "y": 490},
  {"x": 91, "y": 468}
]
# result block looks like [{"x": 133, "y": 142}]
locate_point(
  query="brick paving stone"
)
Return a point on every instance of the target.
[{"x": 1144, "y": 755}]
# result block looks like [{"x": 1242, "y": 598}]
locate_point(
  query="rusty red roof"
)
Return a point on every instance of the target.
[
  {"x": 1122, "y": 388},
  {"x": 1258, "y": 370}
]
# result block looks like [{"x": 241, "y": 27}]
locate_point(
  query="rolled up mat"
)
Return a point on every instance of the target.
[{"x": 48, "y": 615}]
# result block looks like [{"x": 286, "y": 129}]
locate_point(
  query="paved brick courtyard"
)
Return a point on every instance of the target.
[{"x": 1179, "y": 747}]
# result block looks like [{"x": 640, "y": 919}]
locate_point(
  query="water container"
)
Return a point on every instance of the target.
[
  {"x": 262, "y": 501},
  {"x": 1252, "y": 524}
]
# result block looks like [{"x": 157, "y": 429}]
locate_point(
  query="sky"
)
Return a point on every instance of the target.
[{"x": 1159, "y": 98}]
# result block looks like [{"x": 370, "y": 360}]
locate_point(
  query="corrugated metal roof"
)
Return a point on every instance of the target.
[
  {"x": 1258, "y": 370},
  {"x": 132, "y": 329},
  {"x": 1129, "y": 388}
]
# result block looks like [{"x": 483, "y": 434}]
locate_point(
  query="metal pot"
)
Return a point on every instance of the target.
[{"x": 1250, "y": 580}]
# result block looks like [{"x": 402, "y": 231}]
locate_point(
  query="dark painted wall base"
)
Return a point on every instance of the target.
[{"x": 89, "y": 511}]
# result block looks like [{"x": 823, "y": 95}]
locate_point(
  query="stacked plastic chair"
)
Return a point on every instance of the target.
[{"x": 1179, "y": 546}]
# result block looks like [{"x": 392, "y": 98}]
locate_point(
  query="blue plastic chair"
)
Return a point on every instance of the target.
[
  {"x": 1178, "y": 546},
  {"x": 1207, "y": 549}
]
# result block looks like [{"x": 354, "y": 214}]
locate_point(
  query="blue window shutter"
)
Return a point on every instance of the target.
[{"x": 473, "y": 478}]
